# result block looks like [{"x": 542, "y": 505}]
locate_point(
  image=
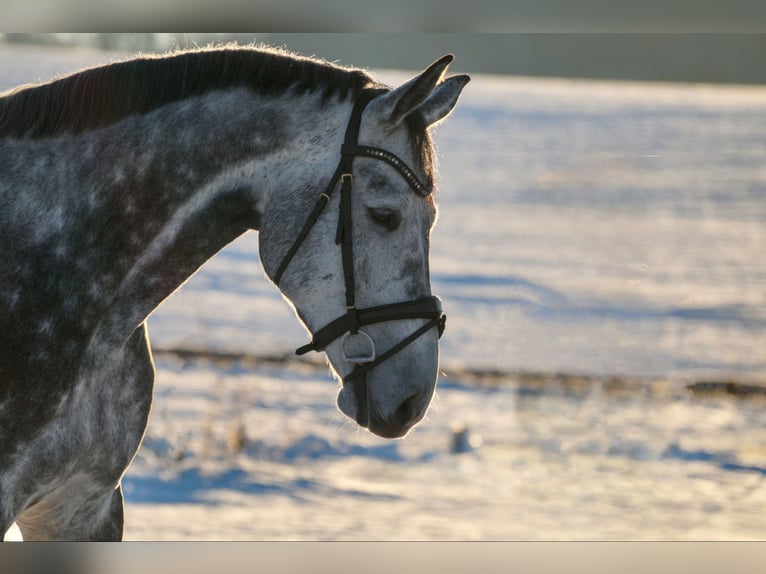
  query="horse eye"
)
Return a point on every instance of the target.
[{"x": 388, "y": 218}]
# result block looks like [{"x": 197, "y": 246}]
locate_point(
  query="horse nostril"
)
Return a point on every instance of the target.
[{"x": 405, "y": 412}]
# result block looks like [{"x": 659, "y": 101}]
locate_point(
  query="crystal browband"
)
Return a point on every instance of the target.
[{"x": 360, "y": 150}]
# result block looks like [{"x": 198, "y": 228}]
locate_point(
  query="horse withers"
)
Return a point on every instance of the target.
[{"x": 118, "y": 182}]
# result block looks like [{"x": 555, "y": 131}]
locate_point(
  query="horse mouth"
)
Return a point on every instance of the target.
[{"x": 388, "y": 431}]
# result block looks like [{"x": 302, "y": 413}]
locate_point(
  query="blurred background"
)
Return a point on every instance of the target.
[
  {"x": 678, "y": 57},
  {"x": 600, "y": 252}
]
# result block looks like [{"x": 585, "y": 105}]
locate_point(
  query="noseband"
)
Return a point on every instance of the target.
[{"x": 347, "y": 326}]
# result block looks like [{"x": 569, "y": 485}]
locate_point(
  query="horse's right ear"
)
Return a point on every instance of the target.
[
  {"x": 443, "y": 99},
  {"x": 394, "y": 106}
]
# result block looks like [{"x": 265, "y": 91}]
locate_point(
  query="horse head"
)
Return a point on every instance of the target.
[{"x": 372, "y": 243}]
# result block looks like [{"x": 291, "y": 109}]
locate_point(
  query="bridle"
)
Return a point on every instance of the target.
[{"x": 348, "y": 325}]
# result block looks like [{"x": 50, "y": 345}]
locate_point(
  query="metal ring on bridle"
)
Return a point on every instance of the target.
[{"x": 359, "y": 339}]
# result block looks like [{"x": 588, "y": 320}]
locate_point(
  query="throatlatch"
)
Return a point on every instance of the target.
[{"x": 348, "y": 325}]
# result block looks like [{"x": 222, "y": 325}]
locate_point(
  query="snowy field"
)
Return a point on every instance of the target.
[{"x": 600, "y": 246}]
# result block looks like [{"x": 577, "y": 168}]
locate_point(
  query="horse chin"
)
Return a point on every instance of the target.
[{"x": 349, "y": 405}]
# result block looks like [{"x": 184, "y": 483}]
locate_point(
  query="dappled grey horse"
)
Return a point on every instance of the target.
[{"x": 118, "y": 182}]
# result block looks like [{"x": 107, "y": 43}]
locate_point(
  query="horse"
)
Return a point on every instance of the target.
[{"x": 119, "y": 181}]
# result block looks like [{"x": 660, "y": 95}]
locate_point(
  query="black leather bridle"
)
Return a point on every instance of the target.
[{"x": 429, "y": 308}]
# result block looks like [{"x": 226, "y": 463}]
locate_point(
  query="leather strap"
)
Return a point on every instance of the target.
[
  {"x": 425, "y": 308},
  {"x": 361, "y": 370},
  {"x": 344, "y": 166},
  {"x": 321, "y": 203}
]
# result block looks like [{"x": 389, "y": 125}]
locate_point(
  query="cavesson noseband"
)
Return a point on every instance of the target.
[{"x": 429, "y": 308}]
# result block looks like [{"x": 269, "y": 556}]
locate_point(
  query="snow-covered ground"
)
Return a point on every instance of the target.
[
  {"x": 237, "y": 454},
  {"x": 589, "y": 228}
]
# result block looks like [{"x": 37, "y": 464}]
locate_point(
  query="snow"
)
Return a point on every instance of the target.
[
  {"x": 607, "y": 237},
  {"x": 552, "y": 462}
]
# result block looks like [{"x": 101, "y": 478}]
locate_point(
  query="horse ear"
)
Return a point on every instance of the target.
[
  {"x": 397, "y": 103},
  {"x": 440, "y": 103}
]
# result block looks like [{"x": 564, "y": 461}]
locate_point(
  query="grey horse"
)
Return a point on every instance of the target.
[{"x": 118, "y": 182}]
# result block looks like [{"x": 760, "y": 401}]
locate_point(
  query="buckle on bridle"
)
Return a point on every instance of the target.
[
  {"x": 346, "y": 178},
  {"x": 358, "y": 347}
]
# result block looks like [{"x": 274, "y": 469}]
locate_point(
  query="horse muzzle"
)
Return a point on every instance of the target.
[{"x": 388, "y": 418}]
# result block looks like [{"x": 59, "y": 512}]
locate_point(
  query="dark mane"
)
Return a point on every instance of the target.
[{"x": 100, "y": 96}]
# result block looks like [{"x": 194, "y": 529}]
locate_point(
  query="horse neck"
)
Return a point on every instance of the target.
[{"x": 148, "y": 200}]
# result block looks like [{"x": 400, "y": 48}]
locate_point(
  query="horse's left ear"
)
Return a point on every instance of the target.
[{"x": 422, "y": 92}]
